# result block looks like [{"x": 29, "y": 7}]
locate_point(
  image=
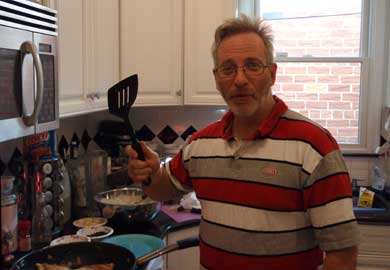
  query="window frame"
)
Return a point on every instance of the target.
[{"x": 375, "y": 64}]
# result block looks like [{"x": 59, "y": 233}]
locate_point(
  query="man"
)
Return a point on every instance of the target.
[{"x": 273, "y": 186}]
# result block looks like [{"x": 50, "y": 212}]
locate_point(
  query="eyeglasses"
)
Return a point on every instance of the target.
[{"x": 251, "y": 69}]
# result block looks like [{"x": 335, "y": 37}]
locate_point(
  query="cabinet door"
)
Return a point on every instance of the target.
[
  {"x": 202, "y": 17},
  {"x": 101, "y": 19},
  {"x": 88, "y": 62},
  {"x": 70, "y": 56},
  {"x": 151, "y": 46}
]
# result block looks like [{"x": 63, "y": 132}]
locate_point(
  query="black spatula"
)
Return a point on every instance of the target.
[{"x": 120, "y": 98}]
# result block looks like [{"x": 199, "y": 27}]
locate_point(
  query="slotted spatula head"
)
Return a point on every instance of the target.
[{"x": 122, "y": 95}]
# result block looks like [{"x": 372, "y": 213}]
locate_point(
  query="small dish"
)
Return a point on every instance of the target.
[
  {"x": 66, "y": 239},
  {"x": 90, "y": 222},
  {"x": 95, "y": 233}
]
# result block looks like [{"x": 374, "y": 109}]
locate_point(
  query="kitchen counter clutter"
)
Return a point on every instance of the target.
[{"x": 166, "y": 222}]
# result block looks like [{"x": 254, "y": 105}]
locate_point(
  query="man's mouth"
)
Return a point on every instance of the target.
[{"x": 241, "y": 97}]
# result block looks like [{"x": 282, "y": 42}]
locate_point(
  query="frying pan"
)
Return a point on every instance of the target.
[{"x": 88, "y": 253}]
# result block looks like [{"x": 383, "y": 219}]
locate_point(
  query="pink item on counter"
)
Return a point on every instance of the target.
[{"x": 179, "y": 216}]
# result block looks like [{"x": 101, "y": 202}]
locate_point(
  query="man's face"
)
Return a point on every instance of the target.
[{"x": 245, "y": 94}]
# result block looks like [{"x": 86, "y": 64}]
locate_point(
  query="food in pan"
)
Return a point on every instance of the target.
[{"x": 102, "y": 266}]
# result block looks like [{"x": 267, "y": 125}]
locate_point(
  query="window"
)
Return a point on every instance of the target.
[{"x": 332, "y": 59}]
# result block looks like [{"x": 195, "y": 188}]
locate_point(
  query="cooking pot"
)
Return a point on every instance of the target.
[
  {"x": 89, "y": 253},
  {"x": 127, "y": 205}
]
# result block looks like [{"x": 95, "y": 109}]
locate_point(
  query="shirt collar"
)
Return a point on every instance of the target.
[{"x": 265, "y": 126}]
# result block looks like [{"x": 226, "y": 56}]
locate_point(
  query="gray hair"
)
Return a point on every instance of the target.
[{"x": 244, "y": 24}]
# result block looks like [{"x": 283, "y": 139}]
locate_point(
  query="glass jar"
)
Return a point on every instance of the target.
[{"x": 9, "y": 221}]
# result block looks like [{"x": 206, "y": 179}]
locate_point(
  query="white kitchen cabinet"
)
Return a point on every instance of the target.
[
  {"x": 88, "y": 62},
  {"x": 168, "y": 44},
  {"x": 374, "y": 250},
  {"x": 152, "y": 46},
  {"x": 187, "y": 259},
  {"x": 201, "y": 19}
]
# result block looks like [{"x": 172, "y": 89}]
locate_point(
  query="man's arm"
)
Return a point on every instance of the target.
[
  {"x": 343, "y": 259},
  {"x": 161, "y": 187}
]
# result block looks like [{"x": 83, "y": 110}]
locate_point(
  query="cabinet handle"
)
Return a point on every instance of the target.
[{"x": 178, "y": 93}]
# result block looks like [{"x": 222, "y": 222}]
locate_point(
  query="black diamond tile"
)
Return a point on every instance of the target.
[
  {"x": 63, "y": 147},
  {"x": 15, "y": 164},
  {"x": 145, "y": 134},
  {"x": 188, "y": 132},
  {"x": 85, "y": 139},
  {"x": 167, "y": 135},
  {"x": 75, "y": 139},
  {"x": 99, "y": 139},
  {"x": 2, "y": 167}
]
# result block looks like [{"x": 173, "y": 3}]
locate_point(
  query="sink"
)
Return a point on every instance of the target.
[{"x": 371, "y": 214}]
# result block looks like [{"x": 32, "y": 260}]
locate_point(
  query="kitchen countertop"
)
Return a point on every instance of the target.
[{"x": 167, "y": 220}]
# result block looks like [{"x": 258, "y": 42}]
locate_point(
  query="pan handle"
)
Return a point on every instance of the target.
[{"x": 181, "y": 244}]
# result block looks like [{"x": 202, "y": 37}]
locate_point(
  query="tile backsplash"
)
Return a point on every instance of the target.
[{"x": 165, "y": 129}]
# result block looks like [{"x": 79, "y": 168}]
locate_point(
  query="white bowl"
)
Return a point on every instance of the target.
[
  {"x": 90, "y": 222},
  {"x": 95, "y": 233},
  {"x": 66, "y": 239}
]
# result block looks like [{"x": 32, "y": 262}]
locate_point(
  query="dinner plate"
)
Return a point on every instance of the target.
[
  {"x": 66, "y": 239},
  {"x": 90, "y": 222},
  {"x": 138, "y": 244}
]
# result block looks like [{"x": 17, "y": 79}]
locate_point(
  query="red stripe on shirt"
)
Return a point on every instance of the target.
[
  {"x": 305, "y": 131},
  {"x": 215, "y": 259},
  {"x": 249, "y": 194},
  {"x": 327, "y": 190}
]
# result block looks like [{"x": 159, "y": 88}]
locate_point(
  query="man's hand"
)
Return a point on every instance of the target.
[
  {"x": 343, "y": 259},
  {"x": 139, "y": 170}
]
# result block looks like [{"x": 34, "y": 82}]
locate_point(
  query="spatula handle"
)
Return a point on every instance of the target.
[{"x": 137, "y": 147}]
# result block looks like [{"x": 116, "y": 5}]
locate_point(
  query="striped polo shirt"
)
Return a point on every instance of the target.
[{"x": 274, "y": 201}]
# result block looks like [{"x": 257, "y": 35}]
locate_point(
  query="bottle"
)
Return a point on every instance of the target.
[
  {"x": 378, "y": 178},
  {"x": 41, "y": 230},
  {"x": 78, "y": 173},
  {"x": 9, "y": 216},
  {"x": 24, "y": 235}
]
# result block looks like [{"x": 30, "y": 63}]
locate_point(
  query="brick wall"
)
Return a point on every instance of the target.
[{"x": 328, "y": 93}]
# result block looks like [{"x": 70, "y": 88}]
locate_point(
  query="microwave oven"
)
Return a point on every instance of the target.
[{"x": 28, "y": 69}]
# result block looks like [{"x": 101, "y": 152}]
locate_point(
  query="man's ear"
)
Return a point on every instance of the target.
[{"x": 273, "y": 68}]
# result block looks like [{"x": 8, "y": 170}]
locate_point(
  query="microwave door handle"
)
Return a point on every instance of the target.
[{"x": 29, "y": 47}]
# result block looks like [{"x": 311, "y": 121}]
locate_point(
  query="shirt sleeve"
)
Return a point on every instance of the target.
[
  {"x": 328, "y": 201},
  {"x": 178, "y": 173}
]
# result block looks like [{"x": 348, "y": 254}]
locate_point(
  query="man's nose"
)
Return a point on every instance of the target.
[{"x": 240, "y": 78}]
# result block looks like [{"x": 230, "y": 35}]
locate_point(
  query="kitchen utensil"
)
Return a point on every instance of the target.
[
  {"x": 127, "y": 205},
  {"x": 139, "y": 244},
  {"x": 120, "y": 98},
  {"x": 88, "y": 253}
]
